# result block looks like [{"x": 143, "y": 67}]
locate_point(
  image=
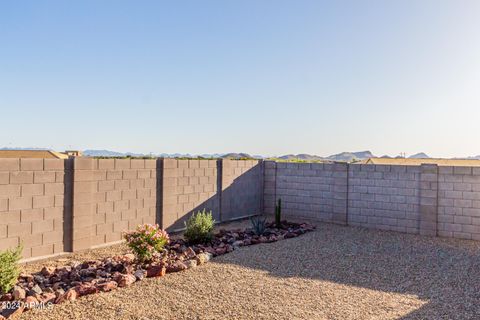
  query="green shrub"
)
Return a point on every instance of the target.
[
  {"x": 146, "y": 240},
  {"x": 9, "y": 268},
  {"x": 199, "y": 227}
]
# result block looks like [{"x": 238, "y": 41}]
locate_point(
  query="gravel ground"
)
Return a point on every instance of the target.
[{"x": 333, "y": 273}]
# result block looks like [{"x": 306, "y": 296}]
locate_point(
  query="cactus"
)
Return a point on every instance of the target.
[
  {"x": 258, "y": 225},
  {"x": 278, "y": 214}
]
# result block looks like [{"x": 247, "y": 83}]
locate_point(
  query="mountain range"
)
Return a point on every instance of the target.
[{"x": 343, "y": 156}]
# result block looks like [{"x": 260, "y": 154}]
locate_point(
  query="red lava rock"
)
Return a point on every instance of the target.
[
  {"x": 125, "y": 280},
  {"x": 70, "y": 295},
  {"x": 156, "y": 271},
  {"x": 189, "y": 253},
  {"x": 48, "y": 297},
  {"x": 85, "y": 289},
  {"x": 47, "y": 271},
  {"x": 19, "y": 293},
  {"x": 107, "y": 286}
]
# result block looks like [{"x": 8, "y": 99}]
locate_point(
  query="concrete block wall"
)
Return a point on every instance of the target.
[
  {"x": 459, "y": 202},
  {"x": 242, "y": 188},
  {"x": 111, "y": 196},
  {"x": 32, "y": 200},
  {"x": 384, "y": 197},
  {"x": 188, "y": 186},
  {"x": 312, "y": 190}
]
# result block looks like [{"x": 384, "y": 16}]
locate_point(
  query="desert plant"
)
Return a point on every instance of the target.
[
  {"x": 199, "y": 227},
  {"x": 258, "y": 225},
  {"x": 9, "y": 268},
  {"x": 146, "y": 240},
  {"x": 278, "y": 214}
]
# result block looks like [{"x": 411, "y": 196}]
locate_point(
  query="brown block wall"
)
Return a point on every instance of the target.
[
  {"x": 111, "y": 196},
  {"x": 32, "y": 201}
]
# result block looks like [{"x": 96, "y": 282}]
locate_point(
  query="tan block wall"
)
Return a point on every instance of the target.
[
  {"x": 242, "y": 188},
  {"x": 188, "y": 186},
  {"x": 110, "y": 197},
  {"x": 32, "y": 201}
]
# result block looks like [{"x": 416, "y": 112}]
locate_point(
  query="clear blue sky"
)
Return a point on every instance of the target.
[{"x": 263, "y": 77}]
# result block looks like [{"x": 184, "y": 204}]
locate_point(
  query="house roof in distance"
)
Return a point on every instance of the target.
[
  {"x": 42, "y": 154},
  {"x": 419, "y": 161}
]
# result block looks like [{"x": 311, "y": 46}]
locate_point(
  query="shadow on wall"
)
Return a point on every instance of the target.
[
  {"x": 237, "y": 193},
  {"x": 443, "y": 272}
]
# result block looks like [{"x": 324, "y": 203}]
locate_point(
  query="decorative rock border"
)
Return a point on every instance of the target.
[{"x": 67, "y": 283}]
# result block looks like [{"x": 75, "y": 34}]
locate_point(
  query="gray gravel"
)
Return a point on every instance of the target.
[{"x": 333, "y": 273}]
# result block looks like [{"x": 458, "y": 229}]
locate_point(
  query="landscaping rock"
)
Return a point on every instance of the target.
[
  {"x": 6, "y": 297},
  {"x": 125, "y": 280},
  {"x": 35, "y": 290},
  {"x": 140, "y": 274},
  {"x": 70, "y": 295},
  {"x": 47, "y": 271},
  {"x": 19, "y": 293},
  {"x": 156, "y": 271},
  {"x": 176, "y": 267},
  {"x": 128, "y": 258},
  {"x": 30, "y": 302},
  {"x": 190, "y": 263},
  {"x": 107, "y": 286},
  {"x": 86, "y": 289}
]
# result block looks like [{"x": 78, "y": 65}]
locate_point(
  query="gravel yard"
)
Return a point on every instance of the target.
[{"x": 333, "y": 273}]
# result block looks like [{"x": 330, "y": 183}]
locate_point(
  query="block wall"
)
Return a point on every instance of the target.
[
  {"x": 188, "y": 186},
  {"x": 312, "y": 190},
  {"x": 32, "y": 200},
  {"x": 384, "y": 197},
  {"x": 111, "y": 196},
  {"x": 459, "y": 202},
  {"x": 242, "y": 188}
]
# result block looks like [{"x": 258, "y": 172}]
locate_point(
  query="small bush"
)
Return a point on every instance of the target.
[
  {"x": 9, "y": 268},
  {"x": 199, "y": 227},
  {"x": 146, "y": 240},
  {"x": 258, "y": 225}
]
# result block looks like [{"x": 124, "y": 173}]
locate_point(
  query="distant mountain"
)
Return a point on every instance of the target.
[
  {"x": 350, "y": 156},
  {"x": 420, "y": 155},
  {"x": 302, "y": 156},
  {"x": 235, "y": 155},
  {"x": 108, "y": 153}
]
